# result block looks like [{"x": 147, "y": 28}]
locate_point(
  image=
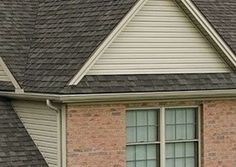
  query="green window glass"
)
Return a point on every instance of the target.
[
  {"x": 181, "y": 136},
  {"x": 180, "y": 142},
  {"x": 142, "y": 138}
]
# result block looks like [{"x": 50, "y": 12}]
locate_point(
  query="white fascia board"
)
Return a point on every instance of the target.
[
  {"x": 210, "y": 30},
  {"x": 100, "y": 50},
  {"x": 125, "y": 97},
  {"x": 11, "y": 77}
]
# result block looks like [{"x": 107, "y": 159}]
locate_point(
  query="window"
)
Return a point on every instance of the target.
[{"x": 166, "y": 137}]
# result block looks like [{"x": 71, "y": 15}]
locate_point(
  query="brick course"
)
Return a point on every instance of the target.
[
  {"x": 219, "y": 134},
  {"x": 96, "y": 136},
  {"x": 96, "y": 133}
]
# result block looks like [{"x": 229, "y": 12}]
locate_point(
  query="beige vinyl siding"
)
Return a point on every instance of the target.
[
  {"x": 3, "y": 75},
  {"x": 159, "y": 39},
  {"x": 42, "y": 125}
]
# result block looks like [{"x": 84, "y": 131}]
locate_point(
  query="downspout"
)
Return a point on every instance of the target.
[
  {"x": 51, "y": 106},
  {"x": 59, "y": 121}
]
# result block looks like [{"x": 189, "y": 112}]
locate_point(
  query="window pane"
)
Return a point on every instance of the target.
[
  {"x": 182, "y": 153},
  {"x": 151, "y": 152},
  {"x": 131, "y": 118},
  {"x": 152, "y": 133},
  {"x": 179, "y": 150},
  {"x": 180, "y": 162},
  {"x": 191, "y": 116},
  {"x": 142, "y": 134},
  {"x": 141, "y": 164},
  {"x": 170, "y": 132},
  {"x": 151, "y": 163},
  {"x": 170, "y": 116},
  {"x": 141, "y": 118},
  {"x": 190, "y": 162},
  {"x": 183, "y": 121},
  {"x": 152, "y": 118},
  {"x": 131, "y": 135},
  {"x": 141, "y": 152},
  {"x": 130, "y": 153},
  {"x": 191, "y": 132},
  {"x": 180, "y": 116},
  {"x": 180, "y": 132},
  {"x": 190, "y": 149},
  {"x": 142, "y": 126},
  {"x": 170, "y": 151},
  {"x": 170, "y": 163}
]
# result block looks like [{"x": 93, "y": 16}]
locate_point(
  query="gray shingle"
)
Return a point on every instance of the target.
[
  {"x": 222, "y": 16},
  {"x": 51, "y": 40},
  {"x": 154, "y": 83},
  {"x": 16, "y": 146},
  {"x": 66, "y": 34}
]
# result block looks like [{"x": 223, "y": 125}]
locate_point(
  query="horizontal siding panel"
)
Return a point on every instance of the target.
[
  {"x": 42, "y": 125},
  {"x": 159, "y": 39},
  {"x": 160, "y": 66},
  {"x": 159, "y": 35},
  {"x": 148, "y": 50},
  {"x": 151, "y": 71},
  {"x": 158, "y": 45},
  {"x": 157, "y": 62}
]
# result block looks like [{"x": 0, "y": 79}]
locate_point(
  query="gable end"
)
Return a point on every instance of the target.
[{"x": 158, "y": 39}]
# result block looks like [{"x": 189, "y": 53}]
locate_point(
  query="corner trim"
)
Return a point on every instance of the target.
[{"x": 100, "y": 50}]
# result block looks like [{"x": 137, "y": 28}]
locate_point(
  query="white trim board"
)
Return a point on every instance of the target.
[
  {"x": 11, "y": 77},
  {"x": 76, "y": 79},
  {"x": 84, "y": 70}
]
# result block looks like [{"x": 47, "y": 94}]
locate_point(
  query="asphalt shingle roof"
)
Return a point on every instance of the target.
[
  {"x": 17, "y": 19},
  {"x": 16, "y": 146},
  {"x": 154, "y": 83},
  {"x": 66, "y": 34},
  {"x": 49, "y": 41},
  {"x": 222, "y": 16}
]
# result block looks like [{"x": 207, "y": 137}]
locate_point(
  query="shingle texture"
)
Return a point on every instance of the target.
[
  {"x": 154, "y": 83},
  {"x": 222, "y": 16},
  {"x": 66, "y": 34},
  {"x": 16, "y": 146},
  {"x": 46, "y": 42},
  {"x": 17, "y": 19},
  {"x": 6, "y": 86}
]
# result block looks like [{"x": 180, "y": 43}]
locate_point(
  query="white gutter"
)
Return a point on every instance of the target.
[{"x": 78, "y": 98}]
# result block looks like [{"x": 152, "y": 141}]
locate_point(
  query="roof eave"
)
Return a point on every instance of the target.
[{"x": 126, "y": 97}]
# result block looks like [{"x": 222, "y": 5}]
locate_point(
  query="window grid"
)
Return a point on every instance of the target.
[{"x": 193, "y": 140}]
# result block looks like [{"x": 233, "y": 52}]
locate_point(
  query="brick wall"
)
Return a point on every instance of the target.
[
  {"x": 219, "y": 134},
  {"x": 96, "y": 136}
]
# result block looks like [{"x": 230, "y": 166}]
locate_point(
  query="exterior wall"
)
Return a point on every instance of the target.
[
  {"x": 159, "y": 39},
  {"x": 219, "y": 134},
  {"x": 96, "y": 134},
  {"x": 42, "y": 124}
]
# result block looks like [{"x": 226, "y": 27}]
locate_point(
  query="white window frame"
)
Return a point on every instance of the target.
[{"x": 162, "y": 141}]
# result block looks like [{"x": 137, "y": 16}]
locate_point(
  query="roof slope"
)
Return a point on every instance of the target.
[
  {"x": 66, "y": 34},
  {"x": 154, "y": 83},
  {"x": 17, "y": 18},
  {"x": 16, "y": 146},
  {"x": 45, "y": 43},
  {"x": 222, "y": 16}
]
